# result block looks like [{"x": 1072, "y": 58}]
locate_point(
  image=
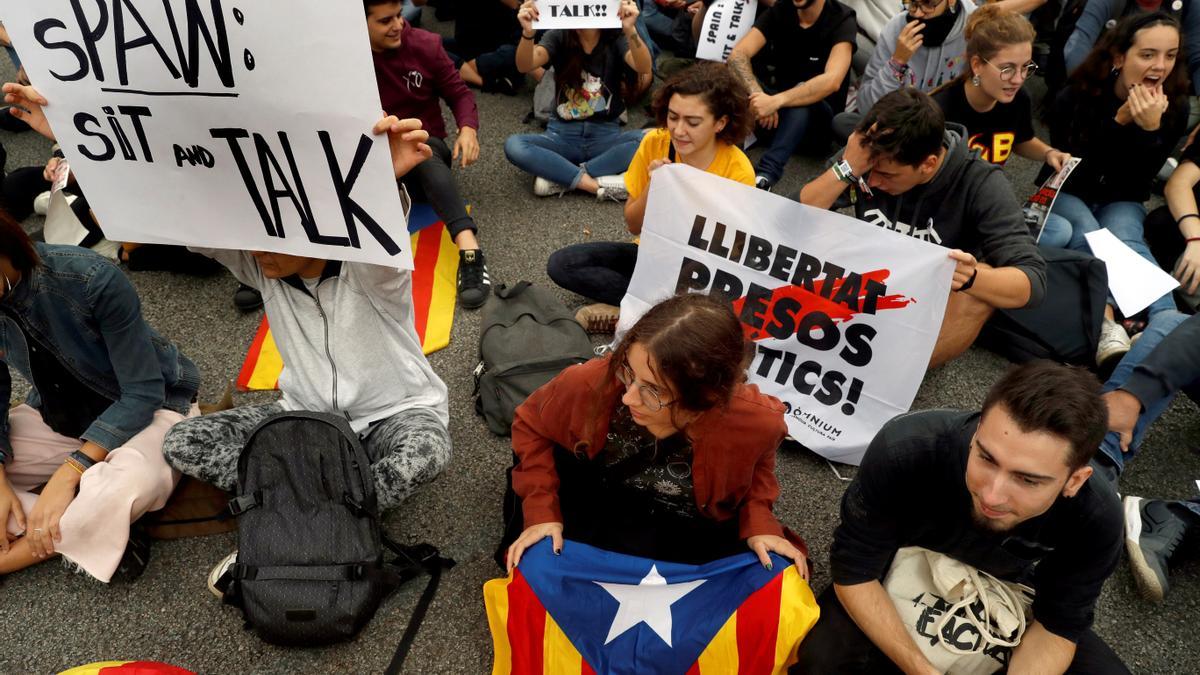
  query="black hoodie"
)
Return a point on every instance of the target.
[{"x": 968, "y": 205}]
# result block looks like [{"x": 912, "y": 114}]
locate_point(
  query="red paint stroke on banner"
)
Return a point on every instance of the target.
[{"x": 812, "y": 301}]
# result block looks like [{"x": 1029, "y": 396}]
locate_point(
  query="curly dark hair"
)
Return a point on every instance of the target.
[
  {"x": 1095, "y": 75},
  {"x": 698, "y": 348},
  {"x": 722, "y": 92}
]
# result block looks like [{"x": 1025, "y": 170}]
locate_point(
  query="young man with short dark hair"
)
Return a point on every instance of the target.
[
  {"x": 1005, "y": 491},
  {"x": 809, "y": 44},
  {"x": 414, "y": 74},
  {"x": 922, "y": 181}
]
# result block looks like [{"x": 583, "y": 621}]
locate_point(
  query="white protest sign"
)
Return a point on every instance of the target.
[
  {"x": 1134, "y": 281},
  {"x": 726, "y": 22},
  {"x": 210, "y": 123},
  {"x": 577, "y": 14},
  {"x": 843, "y": 314}
]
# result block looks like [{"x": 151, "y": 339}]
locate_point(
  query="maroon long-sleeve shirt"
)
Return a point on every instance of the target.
[{"x": 415, "y": 76}]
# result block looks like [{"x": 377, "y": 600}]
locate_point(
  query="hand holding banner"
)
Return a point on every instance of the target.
[
  {"x": 195, "y": 123},
  {"x": 844, "y": 315},
  {"x": 577, "y": 14}
]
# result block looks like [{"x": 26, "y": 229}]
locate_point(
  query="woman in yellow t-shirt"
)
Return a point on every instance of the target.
[{"x": 703, "y": 114}]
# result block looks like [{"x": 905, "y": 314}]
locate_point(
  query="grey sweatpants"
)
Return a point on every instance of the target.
[{"x": 407, "y": 450}]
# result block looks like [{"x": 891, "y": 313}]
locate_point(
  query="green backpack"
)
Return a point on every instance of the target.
[{"x": 527, "y": 337}]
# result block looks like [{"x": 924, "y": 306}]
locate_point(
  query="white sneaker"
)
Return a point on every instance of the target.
[
  {"x": 216, "y": 578},
  {"x": 612, "y": 187},
  {"x": 1114, "y": 342},
  {"x": 545, "y": 188}
]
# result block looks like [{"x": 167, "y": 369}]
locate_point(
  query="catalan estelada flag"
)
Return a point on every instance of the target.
[
  {"x": 434, "y": 288},
  {"x": 592, "y": 611}
]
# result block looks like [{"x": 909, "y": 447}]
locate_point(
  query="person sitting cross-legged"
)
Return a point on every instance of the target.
[
  {"x": 923, "y": 181},
  {"x": 583, "y": 147},
  {"x": 1005, "y": 495},
  {"x": 702, "y": 115},
  {"x": 414, "y": 74},
  {"x": 807, "y": 45},
  {"x": 349, "y": 346}
]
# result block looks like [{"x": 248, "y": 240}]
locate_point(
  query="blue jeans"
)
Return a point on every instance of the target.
[
  {"x": 1158, "y": 329},
  {"x": 1071, "y": 219},
  {"x": 660, "y": 26},
  {"x": 795, "y": 125},
  {"x": 568, "y": 150}
]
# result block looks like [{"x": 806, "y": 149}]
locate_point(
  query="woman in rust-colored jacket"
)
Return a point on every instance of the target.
[{"x": 660, "y": 450}]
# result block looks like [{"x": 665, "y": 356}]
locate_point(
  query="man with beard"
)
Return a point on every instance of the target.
[
  {"x": 809, "y": 44},
  {"x": 1005, "y": 491}
]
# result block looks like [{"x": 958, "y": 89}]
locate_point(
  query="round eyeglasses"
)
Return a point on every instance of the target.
[
  {"x": 1009, "y": 70},
  {"x": 650, "y": 396},
  {"x": 923, "y": 5}
]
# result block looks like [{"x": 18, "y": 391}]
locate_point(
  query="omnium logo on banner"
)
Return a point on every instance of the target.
[{"x": 843, "y": 315}]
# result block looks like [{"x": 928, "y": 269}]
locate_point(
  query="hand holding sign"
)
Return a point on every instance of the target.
[
  {"x": 407, "y": 142},
  {"x": 27, "y": 106},
  {"x": 577, "y": 14}
]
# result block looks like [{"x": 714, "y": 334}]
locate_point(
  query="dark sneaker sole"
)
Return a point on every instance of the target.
[{"x": 1149, "y": 587}]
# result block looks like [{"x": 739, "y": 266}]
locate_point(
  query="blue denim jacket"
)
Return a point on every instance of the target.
[{"x": 84, "y": 309}]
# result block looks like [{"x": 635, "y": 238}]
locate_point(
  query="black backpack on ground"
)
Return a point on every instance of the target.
[
  {"x": 310, "y": 566},
  {"x": 1066, "y": 326},
  {"x": 527, "y": 337}
]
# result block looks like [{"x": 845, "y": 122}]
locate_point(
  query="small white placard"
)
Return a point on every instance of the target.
[
  {"x": 1134, "y": 281},
  {"x": 577, "y": 14}
]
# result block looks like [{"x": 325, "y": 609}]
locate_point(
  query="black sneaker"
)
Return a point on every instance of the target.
[
  {"x": 1152, "y": 533},
  {"x": 474, "y": 284},
  {"x": 137, "y": 556},
  {"x": 247, "y": 299},
  {"x": 762, "y": 183}
]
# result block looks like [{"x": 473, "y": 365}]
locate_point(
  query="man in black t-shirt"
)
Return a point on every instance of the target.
[
  {"x": 809, "y": 44},
  {"x": 1005, "y": 491}
]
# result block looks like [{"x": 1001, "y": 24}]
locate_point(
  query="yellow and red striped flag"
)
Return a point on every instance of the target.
[
  {"x": 434, "y": 288},
  {"x": 592, "y": 611}
]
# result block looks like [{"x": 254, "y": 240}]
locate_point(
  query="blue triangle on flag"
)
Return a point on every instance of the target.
[{"x": 567, "y": 586}]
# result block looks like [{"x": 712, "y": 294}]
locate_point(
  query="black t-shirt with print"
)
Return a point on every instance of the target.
[
  {"x": 799, "y": 54},
  {"x": 598, "y": 97},
  {"x": 993, "y": 134},
  {"x": 911, "y": 491}
]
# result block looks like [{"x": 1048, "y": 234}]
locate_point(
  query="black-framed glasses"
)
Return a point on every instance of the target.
[
  {"x": 650, "y": 396},
  {"x": 1008, "y": 71},
  {"x": 923, "y": 5}
]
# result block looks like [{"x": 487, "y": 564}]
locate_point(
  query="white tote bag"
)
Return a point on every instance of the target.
[{"x": 965, "y": 621}]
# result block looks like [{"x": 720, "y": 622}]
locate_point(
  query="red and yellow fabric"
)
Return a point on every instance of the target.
[
  {"x": 434, "y": 288},
  {"x": 127, "y": 668},
  {"x": 759, "y": 637}
]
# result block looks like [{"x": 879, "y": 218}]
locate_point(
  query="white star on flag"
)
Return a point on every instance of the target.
[{"x": 649, "y": 601}]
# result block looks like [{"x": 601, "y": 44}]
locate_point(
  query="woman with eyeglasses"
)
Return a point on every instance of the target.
[
  {"x": 1122, "y": 111},
  {"x": 988, "y": 98},
  {"x": 659, "y": 450}
]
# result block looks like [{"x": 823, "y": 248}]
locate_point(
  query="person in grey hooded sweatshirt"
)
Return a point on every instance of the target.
[
  {"x": 922, "y": 181},
  {"x": 924, "y": 46}
]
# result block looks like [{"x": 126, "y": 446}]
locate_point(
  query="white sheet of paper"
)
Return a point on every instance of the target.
[
  {"x": 577, "y": 14},
  {"x": 726, "y": 22},
  {"x": 1134, "y": 281},
  {"x": 194, "y": 128}
]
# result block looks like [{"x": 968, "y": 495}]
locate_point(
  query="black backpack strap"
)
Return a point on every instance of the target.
[
  {"x": 507, "y": 292},
  {"x": 242, "y": 572},
  {"x": 243, "y": 503},
  {"x": 411, "y": 561}
]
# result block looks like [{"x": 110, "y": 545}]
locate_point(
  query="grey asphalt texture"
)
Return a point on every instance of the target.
[{"x": 51, "y": 619}]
